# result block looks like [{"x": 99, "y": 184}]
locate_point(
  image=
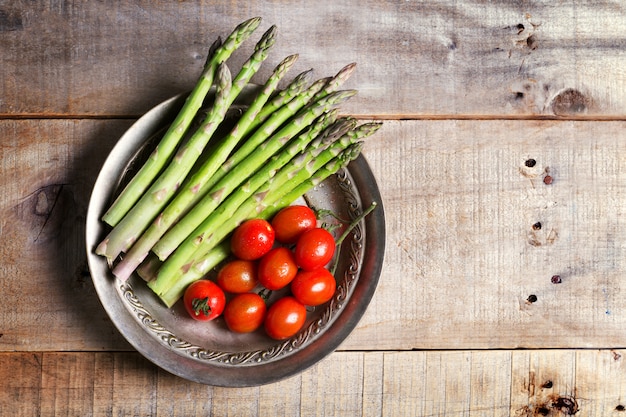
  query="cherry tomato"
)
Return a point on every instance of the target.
[
  {"x": 290, "y": 222},
  {"x": 204, "y": 300},
  {"x": 313, "y": 288},
  {"x": 237, "y": 276},
  {"x": 315, "y": 248},
  {"x": 245, "y": 312},
  {"x": 252, "y": 239},
  {"x": 284, "y": 318},
  {"x": 277, "y": 268}
]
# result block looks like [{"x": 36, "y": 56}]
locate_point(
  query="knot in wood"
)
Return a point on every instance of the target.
[{"x": 570, "y": 101}]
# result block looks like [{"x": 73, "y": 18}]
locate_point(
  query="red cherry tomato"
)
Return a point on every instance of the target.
[
  {"x": 237, "y": 276},
  {"x": 252, "y": 239},
  {"x": 277, "y": 268},
  {"x": 290, "y": 222},
  {"x": 315, "y": 248},
  {"x": 285, "y": 318},
  {"x": 204, "y": 300},
  {"x": 313, "y": 288},
  {"x": 245, "y": 312}
]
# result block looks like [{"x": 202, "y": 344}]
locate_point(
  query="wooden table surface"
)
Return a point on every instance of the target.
[{"x": 503, "y": 286}]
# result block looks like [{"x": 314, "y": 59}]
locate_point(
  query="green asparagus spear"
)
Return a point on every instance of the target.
[
  {"x": 284, "y": 163},
  {"x": 324, "y": 87},
  {"x": 254, "y": 205},
  {"x": 336, "y": 81},
  {"x": 148, "y": 207},
  {"x": 153, "y": 166},
  {"x": 295, "y": 87},
  {"x": 126, "y": 231},
  {"x": 148, "y": 268},
  {"x": 194, "y": 188},
  {"x": 284, "y": 105},
  {"x": 324, "y": 149},
  {"x": 358, "y": 134},
  {"x": 266, "y": 130},
  {"x": 210, "y": 260},
  {"x": 223, "y": 188}
]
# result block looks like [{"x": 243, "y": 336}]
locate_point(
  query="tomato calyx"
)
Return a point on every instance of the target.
[
  {"x": 201, "y": 306},
  {"x": 204, "y": 300}
]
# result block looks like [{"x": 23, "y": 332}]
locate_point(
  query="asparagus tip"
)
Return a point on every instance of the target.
[
  {"x": 268, "y": 39},
  {"x": 212, "y": 49},
  {"x": 249, "y": 25}
]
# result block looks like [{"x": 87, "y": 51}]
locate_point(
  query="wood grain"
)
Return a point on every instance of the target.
[
  {"x": 501, "y": 166},
  {"x": 47, "y": 171},
  {"x": 464, "y": 252},
  {"x": 469, "y": 383},
  {"x": 415, "y": 58}
]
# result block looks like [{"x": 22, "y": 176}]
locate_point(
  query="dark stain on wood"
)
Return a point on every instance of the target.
[
  {"x": 547, "y": 384},
  {"x": 43, "y": 204},
  {"x": 553, "y": 405},
  {"x": 565, "y": 404},
  {"x": 548, "y": 179},
  {"x": 82, "y": 277},
  {"x": 10, "y": 22}
]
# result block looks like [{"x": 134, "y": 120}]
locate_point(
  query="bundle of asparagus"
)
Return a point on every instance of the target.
[{"x": 283, "y": 144}]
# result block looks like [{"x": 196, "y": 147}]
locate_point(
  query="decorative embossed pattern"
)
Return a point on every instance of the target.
[{"x": 352, "y": 251}]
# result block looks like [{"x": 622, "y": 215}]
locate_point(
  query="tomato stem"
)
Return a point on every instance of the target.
[
  {"x": 327, "y": 212},
  {"x": 349, "y": 229},
  {"x": 265, "y": 294}
]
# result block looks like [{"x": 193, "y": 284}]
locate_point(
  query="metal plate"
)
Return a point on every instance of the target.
[{"x": 208, "y": 352}]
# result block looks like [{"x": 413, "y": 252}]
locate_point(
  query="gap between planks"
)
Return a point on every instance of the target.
[{"x": 381, "y": 117}]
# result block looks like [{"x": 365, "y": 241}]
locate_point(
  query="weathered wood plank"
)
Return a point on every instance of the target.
[
  {"x": 474, "y": 235},
  {"x": 346, "y": 396},
  {"x": 65, "y": 378},
  {"x": 464, "y": 251},
  {"x": 543, "y": 381},
  {"x": 123, "y": 384},
  {"x": 415, "y": 58},
  {"x": 196, "y": 399},
  {"x": 471, "y": 383},
  {"x": 47, "y": 172},
  {"x": 21, "y": 384}
]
